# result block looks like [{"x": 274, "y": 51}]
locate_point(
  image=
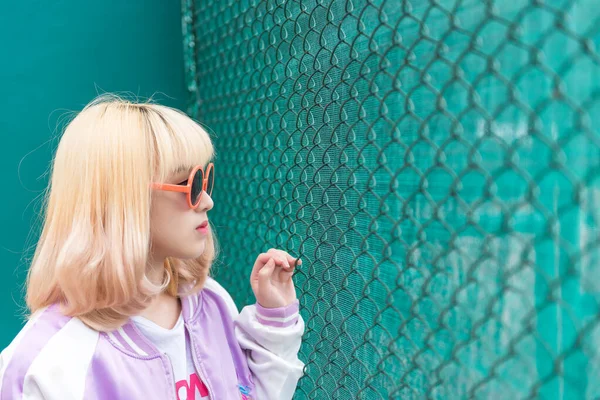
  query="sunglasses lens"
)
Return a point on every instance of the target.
[
  {"x": 197, "y": 187},
  {"x": 211, "y": 179}
]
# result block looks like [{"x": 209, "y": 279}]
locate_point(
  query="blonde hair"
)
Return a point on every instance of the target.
[{"x": 94, "y": 247}]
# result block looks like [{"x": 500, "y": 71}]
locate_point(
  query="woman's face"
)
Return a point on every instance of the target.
[{"x": 173, "y": 223}]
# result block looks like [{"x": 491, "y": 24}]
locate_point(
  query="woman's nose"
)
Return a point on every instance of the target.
[{"x": 206, "y": 202}]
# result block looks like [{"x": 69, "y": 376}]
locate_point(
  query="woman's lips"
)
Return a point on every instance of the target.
[{"x": 202, "y": 225}]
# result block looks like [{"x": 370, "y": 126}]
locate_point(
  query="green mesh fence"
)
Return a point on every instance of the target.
[{"x": 434, "y": 163}]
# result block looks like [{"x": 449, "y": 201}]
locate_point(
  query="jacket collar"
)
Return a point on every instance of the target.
[{"x": 131, "y": 341}]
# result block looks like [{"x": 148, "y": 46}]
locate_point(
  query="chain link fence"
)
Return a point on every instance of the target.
[{"x": 434, "y": 163}]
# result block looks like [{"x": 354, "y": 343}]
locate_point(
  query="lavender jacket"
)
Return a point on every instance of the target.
[{"x": 247, "y": 355}]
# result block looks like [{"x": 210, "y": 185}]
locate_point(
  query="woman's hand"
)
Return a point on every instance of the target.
[{"x": 271, "y": 279}]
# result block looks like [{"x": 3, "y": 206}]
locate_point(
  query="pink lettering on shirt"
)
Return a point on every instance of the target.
[{"x": 190, "y": 388}]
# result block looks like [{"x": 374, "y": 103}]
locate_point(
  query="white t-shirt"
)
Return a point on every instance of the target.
[{"x": 174, "y": 343}]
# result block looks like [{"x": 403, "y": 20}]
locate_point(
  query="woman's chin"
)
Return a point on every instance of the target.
[{"x": 195, "y": 253}]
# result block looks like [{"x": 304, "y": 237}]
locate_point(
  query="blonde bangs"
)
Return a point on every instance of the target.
[
  {"x": 93, "y": 251},
  {"x": 181, "y": 143}
]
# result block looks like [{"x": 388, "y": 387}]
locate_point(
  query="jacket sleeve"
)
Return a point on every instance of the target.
[
  {"x": 271, "y": 339},
  {"x": 41, "y": 364}
]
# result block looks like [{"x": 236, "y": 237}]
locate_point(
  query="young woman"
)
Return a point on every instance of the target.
[{"x": 122, "y": 304}]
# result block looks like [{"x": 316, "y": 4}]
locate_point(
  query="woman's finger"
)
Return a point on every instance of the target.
[
  {"x": 291, "y": 260},
  {"x": 264, "y": 275},
  {"x": 282, "y": 261},
  {"x": 260, "y": 262},
  {"x": 285, "y": 274}
]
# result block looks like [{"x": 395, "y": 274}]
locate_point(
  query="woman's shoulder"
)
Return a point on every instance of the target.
[
  {"x": 38, "y": 330},
  {"x": 215, "y": 287},
  {"x": 49, "y": 341}
]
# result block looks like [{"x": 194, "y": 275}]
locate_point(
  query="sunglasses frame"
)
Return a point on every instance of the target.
[{"x": 188, "y": 187}]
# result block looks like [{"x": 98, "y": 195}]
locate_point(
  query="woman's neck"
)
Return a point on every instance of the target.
[
  {"x": 163, "y": 311},
  {"x": 165, "y": 308}
]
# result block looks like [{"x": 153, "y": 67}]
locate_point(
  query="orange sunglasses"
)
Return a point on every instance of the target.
[{"x": 198, "y": 182}]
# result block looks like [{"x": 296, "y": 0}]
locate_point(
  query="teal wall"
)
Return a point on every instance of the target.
[{"x": 56, "y": 56}]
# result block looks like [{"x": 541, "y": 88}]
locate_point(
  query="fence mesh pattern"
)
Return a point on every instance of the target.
[{"x": 434, "y": 163}]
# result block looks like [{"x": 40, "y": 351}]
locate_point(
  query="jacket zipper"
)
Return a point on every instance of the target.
[
  {"x": 173, "y": 383},
  {"x": 151, "y": 345},
  {"x": 198, "y": 364}
]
